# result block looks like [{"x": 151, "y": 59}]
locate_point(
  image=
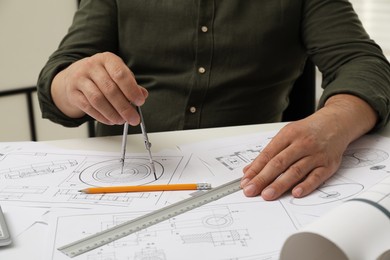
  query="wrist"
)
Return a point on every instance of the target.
[{"x": 351, "y": 113}]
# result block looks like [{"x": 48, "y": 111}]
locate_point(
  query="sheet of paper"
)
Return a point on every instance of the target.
[
  {"x": 234, "y": 227},
  {"x": 52, "y": 177},
  {"x": 226, "y": 157},
  {"x": 239, "y": 227},
  {"x": 230, "y": 228},
  {"x": 365, "y": 163}
]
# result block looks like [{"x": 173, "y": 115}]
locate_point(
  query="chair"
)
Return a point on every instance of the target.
[{"x": 303, "y": 95}]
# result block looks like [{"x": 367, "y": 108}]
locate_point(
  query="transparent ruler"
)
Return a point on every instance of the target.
[
  {"x": 5, "y": 238},
  {"x": 129, "y": 227}
]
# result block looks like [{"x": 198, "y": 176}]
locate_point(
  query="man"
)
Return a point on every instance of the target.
[{"x": 204, "y": 63}]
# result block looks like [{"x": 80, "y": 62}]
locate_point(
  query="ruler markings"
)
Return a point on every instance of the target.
[{"x": 129, "y": 227}]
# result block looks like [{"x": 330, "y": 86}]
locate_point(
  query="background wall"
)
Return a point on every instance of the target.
[
  {"x": 375, "y": 15},
  {"x": 31, "y": 30}
]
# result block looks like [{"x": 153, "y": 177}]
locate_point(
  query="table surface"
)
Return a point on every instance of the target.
[
  {"x": 171, "y": 139},
  {"x": 30, "y": 242}
]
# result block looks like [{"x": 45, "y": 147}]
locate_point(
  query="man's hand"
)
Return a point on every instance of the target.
[
  {"x": 101, "y": 86},
  {"x": 305, "y": 153}
]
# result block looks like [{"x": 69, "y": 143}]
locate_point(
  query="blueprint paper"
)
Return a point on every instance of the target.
[
  {"x": 53, "y": 177},
  {"x": 226, "y": 157},
  {"x": 230, "y": 228},
  {"x": 234, "y": 227}
]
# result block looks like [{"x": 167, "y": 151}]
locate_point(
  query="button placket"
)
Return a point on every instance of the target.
[{"x": 204, "y": 53}]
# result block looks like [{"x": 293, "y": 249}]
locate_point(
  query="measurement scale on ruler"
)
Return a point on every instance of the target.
[{"x": 129, "y": 227}]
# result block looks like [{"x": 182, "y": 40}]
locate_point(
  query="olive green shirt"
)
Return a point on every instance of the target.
[{"x": 211, "y": 63}]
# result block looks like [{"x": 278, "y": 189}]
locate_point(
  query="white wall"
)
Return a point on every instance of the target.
[
  {"x": 375, "y": 15},
  {"x": 29, "y": 32}
]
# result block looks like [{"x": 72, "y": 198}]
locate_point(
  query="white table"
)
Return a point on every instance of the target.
[{"x": 30, "y": 243}]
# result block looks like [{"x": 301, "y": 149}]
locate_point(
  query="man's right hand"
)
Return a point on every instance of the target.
[{"x": 101, "y": 86}]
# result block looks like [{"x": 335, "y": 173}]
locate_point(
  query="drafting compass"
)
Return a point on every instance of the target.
[{"x": 146, "y": 140}]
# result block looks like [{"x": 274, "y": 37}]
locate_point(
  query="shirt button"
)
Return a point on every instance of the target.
[
  {"x": 204, "y": 29},
  {"x": 201, "y": 70},
  {"x": 192, "y": 110}
]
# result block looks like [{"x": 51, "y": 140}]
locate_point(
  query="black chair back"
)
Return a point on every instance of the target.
[{"x": 303, "y": 95}]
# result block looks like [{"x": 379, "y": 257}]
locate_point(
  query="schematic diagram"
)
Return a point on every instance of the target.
[{"x": 65, "y": 174}]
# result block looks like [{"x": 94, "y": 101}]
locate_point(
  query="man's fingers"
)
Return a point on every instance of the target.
[
  {"x": 291, "y": 176},
  {"x": 124, "y": 79},
  {"x": 266, "y": 168},
  {"x": 95, "y": 103},
  {"x": 122, "y": 109},
  {"x": 270, "y": 151},
  {"x": 314, "y": 180},
  {"x": 84, "y": 105}
]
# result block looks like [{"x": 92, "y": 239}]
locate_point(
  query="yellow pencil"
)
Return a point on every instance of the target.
[{"x": 160, "y": 187}]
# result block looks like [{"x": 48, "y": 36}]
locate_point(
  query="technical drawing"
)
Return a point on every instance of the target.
[
  {"x": 102, "y": 256},
  {"x": 270, "y": 256},
  {"x": 328, "y": 194},
  {"x": 361, "y": 157},
  {"x": 75, "y": 196},
  {"x": 18, "y": 192},
  {"x": 136, "y": 171},
  {"x": 216, "y": 224},
  {"x": 217, "y": 220},
  {"x": 239, "y": 159},
  {"x": 208, "y": 217},
  {"x": 215, "y": 231},
  {"x": 220, "y": 238},
  {"x": 141, "y": 238},
  {"x": 230, "y": 228},
  {"x": 38, "y": 169},
  {"x": 67, "y": 173},
  {"x": 152, "y": 254}
]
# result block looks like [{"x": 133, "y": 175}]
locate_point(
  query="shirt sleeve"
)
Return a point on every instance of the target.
[
  {"x": 94, "y": 30},
  {"x": 351, "y": 62}
]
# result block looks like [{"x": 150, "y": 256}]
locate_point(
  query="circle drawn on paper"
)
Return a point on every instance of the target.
[
  {"x": 136, "y": 171},
  {"x": 217, "y": 221},
  {"x": 329, "y": 194},
  {"x": 361, "y": 157}
]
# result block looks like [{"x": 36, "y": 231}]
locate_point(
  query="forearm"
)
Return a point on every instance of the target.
[{"x": 352, "y": 116}]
